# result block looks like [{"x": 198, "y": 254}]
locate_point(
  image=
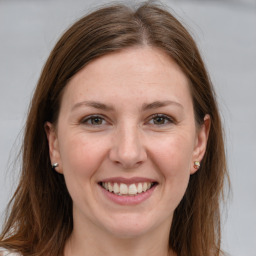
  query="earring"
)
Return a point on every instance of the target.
[
  {"x": 197, "y": 165},
  {"x": 55, "y": 165}
]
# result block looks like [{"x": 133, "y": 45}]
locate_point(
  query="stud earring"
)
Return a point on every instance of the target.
[
  {"x": 197, "y": 165},
  {"x": 55, "y": 165}
]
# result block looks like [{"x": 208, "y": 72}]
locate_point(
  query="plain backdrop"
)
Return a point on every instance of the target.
[{"x": 226, "y": 35}]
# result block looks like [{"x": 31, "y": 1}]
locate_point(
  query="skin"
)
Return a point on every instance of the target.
[{"x": 126, "y": 140}]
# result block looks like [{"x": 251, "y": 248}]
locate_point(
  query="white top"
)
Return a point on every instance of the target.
[{"x": 4, "y": 252}]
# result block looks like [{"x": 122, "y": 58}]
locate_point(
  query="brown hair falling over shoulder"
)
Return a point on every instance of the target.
[{"x": 40, "y": 219}]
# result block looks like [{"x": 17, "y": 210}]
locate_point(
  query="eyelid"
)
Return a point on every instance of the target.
[
  {"x": 85, "y": 119},
  {"x": 167, "y": 117}
]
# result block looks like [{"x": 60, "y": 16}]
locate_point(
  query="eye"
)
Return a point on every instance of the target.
[
  {"x": 160, "y": 119},
  {"x": 94, "y": 120}
]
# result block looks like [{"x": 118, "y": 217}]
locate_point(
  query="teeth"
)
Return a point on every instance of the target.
[
  {"x": 110, "y": 187},
  {"x": 116, "y": 188},
  {"x": 123, "y": 189},
  {"x": 132, "y": 189},
  {"x": 105, "y": 185},
  {"x": 139, "y": 188},
  {"x": 145, "y": 187}
]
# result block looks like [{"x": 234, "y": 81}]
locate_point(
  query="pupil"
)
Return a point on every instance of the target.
[
  {"x": 96, "y": 120},
  {"x": 159, "y": 120}
]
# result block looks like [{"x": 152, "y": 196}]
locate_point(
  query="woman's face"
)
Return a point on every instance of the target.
[{"x": 126, "y": 142}]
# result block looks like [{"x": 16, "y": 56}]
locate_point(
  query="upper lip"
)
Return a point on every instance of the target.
[{"x": 128, "y": 180}]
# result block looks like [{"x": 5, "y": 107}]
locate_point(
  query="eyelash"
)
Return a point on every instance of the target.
[
  {"x": 92, "y": 117},
  {"x": 151, "y": 118},
  {"x": 165, "y": 117}
]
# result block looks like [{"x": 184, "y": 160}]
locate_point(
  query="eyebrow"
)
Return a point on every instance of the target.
[
  {"x": 93, "y": 104},
  {"x": 145, "y": 106},
  {"x": 159, "y": 104}
]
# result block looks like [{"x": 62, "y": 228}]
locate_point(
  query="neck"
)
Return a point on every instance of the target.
[{"x": 98, "y": 242}]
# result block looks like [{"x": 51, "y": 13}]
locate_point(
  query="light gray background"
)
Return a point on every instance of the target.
[{"x": 226, "y": 35}]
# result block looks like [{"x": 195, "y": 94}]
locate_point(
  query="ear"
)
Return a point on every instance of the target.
[
  {"x": 200, "y": 143},
  {"x": 53, "y": 145}
]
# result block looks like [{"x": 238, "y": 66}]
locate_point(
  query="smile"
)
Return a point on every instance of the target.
[
  {"x": 132, "y": 191},
  {"x": 123, "y": 189}
]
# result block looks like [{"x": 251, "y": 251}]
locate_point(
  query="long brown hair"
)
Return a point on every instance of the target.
[{"x": 40, "y": 219}]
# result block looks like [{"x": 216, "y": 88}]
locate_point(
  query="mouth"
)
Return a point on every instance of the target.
[{"x": 127, "y": 188}]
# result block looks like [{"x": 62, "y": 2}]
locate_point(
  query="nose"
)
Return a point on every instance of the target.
[{"x": 127, "y": 149}]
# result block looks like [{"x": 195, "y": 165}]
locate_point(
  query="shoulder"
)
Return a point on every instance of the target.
[{"x": 5, "y": 252}]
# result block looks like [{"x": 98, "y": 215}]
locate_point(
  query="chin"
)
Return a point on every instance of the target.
[{"x": 130, "y": 226}]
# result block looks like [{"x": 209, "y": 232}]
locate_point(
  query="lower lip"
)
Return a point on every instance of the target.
[{"x": 128, "y": 200}]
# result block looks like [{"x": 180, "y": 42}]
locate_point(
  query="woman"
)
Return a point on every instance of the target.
[{"x": 123, "y": 150}]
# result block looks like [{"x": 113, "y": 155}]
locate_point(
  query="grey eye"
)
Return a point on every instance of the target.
[{"x": 94, "y": 120}]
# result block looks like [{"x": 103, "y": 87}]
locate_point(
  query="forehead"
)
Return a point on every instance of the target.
[{"x": 133, "y": 74}]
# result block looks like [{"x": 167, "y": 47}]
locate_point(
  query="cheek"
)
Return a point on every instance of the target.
[
  {"x": 81, "y": 156},
  {"x": 174, "y": 154},
  {"x": 173, "y": 157}
]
